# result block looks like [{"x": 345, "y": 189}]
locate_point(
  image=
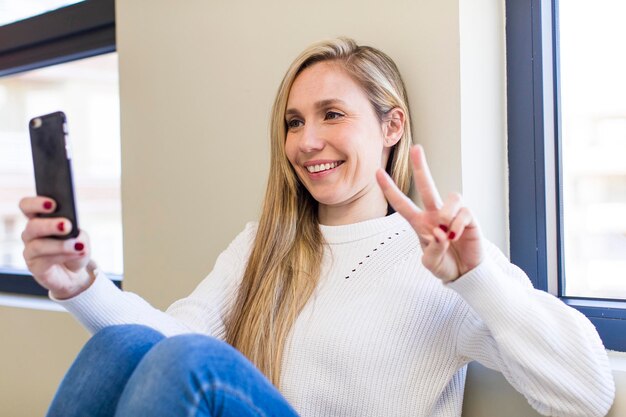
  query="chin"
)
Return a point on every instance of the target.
[
  {"x": 328, "y": 200},
  {"x": 331, "y": 195},
  {"x": 322, "y": 199}
]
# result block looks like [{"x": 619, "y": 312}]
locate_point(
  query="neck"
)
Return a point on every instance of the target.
[{"x": 369, "y": 205}]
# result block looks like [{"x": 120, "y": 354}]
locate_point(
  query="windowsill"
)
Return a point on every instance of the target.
[
  {"x": 608, "y": 316},
  {"x": 614, "y": 309},
  {"x": 29, "y": 302}
]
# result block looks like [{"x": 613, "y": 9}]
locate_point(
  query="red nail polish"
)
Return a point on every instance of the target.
[
  {"x": 79, "y": 246},
  {"x": 451, "y": 235},
  {"x": 443, "y": 227},
  {"x": 47, "y": 205},
  {"x": 61, "y": 227}
]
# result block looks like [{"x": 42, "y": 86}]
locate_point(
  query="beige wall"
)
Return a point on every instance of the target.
[
  {"x": 37, "y": 348},
  {"x": 197, "y": 83},
  {"x": 197, "y": 80},
  {"x": 483, "y": 115}
]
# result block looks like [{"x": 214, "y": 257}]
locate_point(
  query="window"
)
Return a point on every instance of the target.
[
  {"x": 593, "y": 148},
  {"x": 567, "y": 136},
  {"x": 61, "y": 60}
]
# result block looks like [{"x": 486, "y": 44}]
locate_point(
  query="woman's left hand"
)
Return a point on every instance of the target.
[{"x": 450, "y": 237}]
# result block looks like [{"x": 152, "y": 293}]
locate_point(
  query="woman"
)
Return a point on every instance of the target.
[{"x": 349, "y": 308}]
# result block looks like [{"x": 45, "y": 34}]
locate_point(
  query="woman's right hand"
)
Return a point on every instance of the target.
[{"x": 58, "y": 265}]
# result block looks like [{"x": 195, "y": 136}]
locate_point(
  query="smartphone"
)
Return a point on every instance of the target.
[{"x": 53, "y": 166}]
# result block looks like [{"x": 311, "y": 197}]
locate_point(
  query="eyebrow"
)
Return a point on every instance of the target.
[{"x": 318, "y": 105}]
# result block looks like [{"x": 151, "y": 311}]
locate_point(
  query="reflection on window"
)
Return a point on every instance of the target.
[
  {"x": 14, "y": 10},
  {"x": 593, "y": 112},
  {"x": 87, "y": 91}
]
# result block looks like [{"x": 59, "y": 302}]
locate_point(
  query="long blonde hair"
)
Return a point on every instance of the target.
[{"x": 284, "y": 264}]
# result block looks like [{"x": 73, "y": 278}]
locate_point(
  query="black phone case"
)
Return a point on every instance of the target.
[{"x": 53, "y": 168}]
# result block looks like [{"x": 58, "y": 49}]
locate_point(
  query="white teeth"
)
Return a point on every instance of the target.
[{"x": 322, "y": 167}]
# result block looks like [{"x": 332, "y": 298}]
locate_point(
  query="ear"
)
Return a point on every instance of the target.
[{"x": 393, "y": 126}]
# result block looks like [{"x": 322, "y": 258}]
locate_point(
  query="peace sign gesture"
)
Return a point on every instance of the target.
[{"x": 448, "y": 232}]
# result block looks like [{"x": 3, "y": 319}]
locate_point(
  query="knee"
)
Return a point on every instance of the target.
[
  {"x": 115, "y": 352},
  {"x": 124, "y": 337},
  {"x": 193, "y": 353}
]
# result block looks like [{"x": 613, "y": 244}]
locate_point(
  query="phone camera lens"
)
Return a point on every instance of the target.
[{"x": 36, "y": 123}]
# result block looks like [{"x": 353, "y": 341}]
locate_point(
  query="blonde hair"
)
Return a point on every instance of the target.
[{"x": 284, "y": 265}]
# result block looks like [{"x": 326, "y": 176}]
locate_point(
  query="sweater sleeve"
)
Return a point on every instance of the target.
[
  {"x": 548, "y": 351},
  {"x": 103, "y": 304}
]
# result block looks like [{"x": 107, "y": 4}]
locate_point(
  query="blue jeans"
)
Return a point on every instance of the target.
[{"x": 133, "y": 370}]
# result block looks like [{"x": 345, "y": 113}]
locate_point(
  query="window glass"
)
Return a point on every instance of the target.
[
  {"x": 14, "y": 10},
  {"x": 593, "y": 117},
  {"x": 87, "y": 91}
]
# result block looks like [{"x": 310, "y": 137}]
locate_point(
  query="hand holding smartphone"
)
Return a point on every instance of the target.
[{"x": 53, "y": 166}]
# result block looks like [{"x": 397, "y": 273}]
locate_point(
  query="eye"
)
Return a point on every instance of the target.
[
  {"x": 332, "y": 115},
  {"x": 294, "y": 123}
]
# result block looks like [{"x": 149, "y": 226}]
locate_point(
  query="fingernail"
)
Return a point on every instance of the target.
[
  {"x": 451, "y": 235},
  {"x": 79, "y": 246},
  {"x": 47, "y": 205},
  {"x": 61, "y": 227},
  {"x": 443, "y": 227}
]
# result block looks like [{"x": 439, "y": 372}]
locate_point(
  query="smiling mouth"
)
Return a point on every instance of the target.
[{"x": 323, "y": 167}]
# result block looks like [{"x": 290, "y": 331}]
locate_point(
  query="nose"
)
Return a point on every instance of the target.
[{"x": 310, "y": 139}]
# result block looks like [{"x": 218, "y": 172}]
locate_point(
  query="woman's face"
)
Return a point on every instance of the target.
[{"x": 335, "y": 143}]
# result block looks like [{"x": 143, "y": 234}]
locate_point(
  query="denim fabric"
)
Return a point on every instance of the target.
[{"x": 133, "y": 370}]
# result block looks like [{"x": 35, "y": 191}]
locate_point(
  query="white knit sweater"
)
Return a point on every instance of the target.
[{"x": 383, "y": 337}]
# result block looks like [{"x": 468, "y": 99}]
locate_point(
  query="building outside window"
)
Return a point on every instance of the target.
[
  {"x": 593, "y": 147},
  {"x": 87, "y": 91}
]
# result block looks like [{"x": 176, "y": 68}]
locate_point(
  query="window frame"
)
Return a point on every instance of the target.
[
  {"x": 534, "y": 157},
  {"x": 67, "y": 34}
]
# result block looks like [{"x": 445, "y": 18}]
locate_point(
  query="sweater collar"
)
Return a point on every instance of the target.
[{"x": 352, "y": 232}]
